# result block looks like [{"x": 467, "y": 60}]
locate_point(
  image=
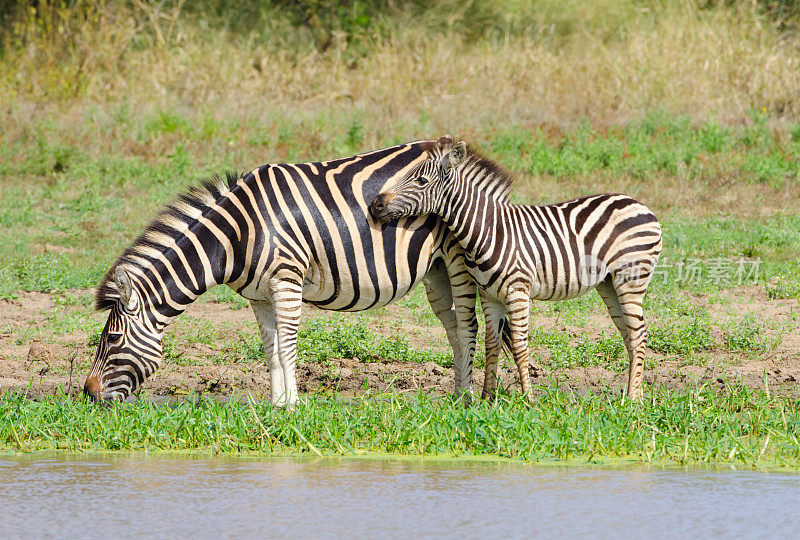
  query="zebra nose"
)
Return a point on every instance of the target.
[
  {"x": 379, "y": 205},
  {"x": 92, "y": 387}
]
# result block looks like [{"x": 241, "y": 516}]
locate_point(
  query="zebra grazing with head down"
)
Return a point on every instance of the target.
[
  {"x": 517, "y": 253},
  {"x": 281, "y": 235}
]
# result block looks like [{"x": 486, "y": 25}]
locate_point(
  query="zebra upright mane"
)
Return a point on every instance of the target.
[
  {"x": 493, "y": 177},
  {"x": 486, "y": 173},
  {"x": 168, "y": 225}
]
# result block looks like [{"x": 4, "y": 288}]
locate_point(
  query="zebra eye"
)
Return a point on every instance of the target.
[
  {"x": 114, "y": 337},
  {"x": 421, "y": 180}
]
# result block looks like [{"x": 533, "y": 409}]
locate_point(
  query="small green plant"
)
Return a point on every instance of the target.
[
  {"x": 167, "y": 122},
  {"x": 245, "y": 347},
  {"x": 355, "y": 135},
  {"x": 782, "y": 287},
  {"x": 712, "y": 137},
  {"x": 225, "y": 295},
  {"x": 51, "y": 272},
  {"x": 172, "y": 351},
  {"x": 681, "y": 337},
  {"x": 794, "y": 133},
  {"x": 745, "y": 336},
  {"x": 48, "y": 157},
  {"x": 567, "y": 352},
  {"x": 336, "y": 337},
  {"x": 333, "y": 337},
  {"x": 198, "y": 330}
]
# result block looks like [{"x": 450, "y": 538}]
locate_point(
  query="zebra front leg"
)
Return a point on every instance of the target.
[
  {"x": 464, "y": 291},
  {"x": 495, "y": 315},
  {"x": 464, "y": 297},
  {"x": 518, "y": 307},
  {"x": 287, "y": 300},
  {"x": 459, "y": 325},
  {"x": 265, "y": 316}
]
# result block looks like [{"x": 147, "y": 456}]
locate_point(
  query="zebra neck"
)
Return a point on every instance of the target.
[
  {"x": 479, "y": 222},
  {"x": 183, "y": 267},
  {"x": 167, "y": 298}
]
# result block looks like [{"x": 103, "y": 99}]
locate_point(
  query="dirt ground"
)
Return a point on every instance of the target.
[{"x": 38, "y": 357}]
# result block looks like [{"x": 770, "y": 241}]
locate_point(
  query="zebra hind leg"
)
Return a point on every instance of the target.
[
  {"x": 265, "y": 316},
  {"x": 609, "y": 295},
  {"x": 624, "y": 302}
]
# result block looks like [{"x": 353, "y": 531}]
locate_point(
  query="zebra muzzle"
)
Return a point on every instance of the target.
[
  {"x": 379, "y": 207},
  {"x": 91, "y": 388}
]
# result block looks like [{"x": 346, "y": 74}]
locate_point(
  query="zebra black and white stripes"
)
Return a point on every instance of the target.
[
  {"x": 280, "y": 235},
  {"x": 518, "y": 252}
]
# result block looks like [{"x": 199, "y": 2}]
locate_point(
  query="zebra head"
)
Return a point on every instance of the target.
[
  {"x": 129, "y": 351},
  {"x": 422, "y": 190}
]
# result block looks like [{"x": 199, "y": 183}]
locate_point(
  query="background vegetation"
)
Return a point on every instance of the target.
[{"x": 111, "y": 107}]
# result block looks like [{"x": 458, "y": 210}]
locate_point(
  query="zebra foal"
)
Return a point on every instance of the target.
[
  {"x": 281, "y": 235},
  {"x": 517, "y": 253}
]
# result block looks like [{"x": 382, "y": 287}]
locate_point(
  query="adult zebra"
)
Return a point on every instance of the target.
[
  {"x": 280, "y": 235},
  {"x": 517, "y": 252}
]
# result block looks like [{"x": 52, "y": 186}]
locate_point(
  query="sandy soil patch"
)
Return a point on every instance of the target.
[{"x": 37, "y": 361}]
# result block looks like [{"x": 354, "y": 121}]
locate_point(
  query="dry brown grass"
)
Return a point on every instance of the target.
[{"x": 606, "y": 61}]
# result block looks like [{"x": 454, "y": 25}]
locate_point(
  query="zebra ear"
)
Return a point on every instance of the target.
[
  {"x": 125, "y": 288},
  {"x": 457, "y": 154},
  {"x": 445, "y": 143}
]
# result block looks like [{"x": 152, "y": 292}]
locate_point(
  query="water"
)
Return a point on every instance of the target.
[{"x": 101, "y": 496}]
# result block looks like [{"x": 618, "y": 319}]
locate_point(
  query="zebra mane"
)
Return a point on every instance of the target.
[
  {"x": 489, "y": 175},
  {"x": 168, "y": 224}
]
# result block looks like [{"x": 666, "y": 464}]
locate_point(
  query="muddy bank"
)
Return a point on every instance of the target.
[
  {"x": 351, "y": 377},
  {"x": 40, "y": 355}
]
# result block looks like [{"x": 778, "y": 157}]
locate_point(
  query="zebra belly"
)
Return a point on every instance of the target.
[
  {"x": 367, "y": 297},
  {"x": 565, "y": 281},
  {"x": 562, "y": 293},
  {"x": 370, "y": 289},
  {"x": 578, "y": 277}
]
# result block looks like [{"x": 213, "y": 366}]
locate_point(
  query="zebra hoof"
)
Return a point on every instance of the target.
[
  {"x": 465, "y": 396},
  {"x": 635, "y": 397}
]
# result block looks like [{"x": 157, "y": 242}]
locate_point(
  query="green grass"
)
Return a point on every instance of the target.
[
  {"x": 679, "y": 329},
  {"x": 783, "y": 287},
  {"x": 682, "y": 337},
  {"x": 320, "y": 338},
  {"x": 700, "y": 425},
  {"x": 658, "y": 144},
  {"x": 747, "y": 335},
  {"x": 225, "y": 295}
]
